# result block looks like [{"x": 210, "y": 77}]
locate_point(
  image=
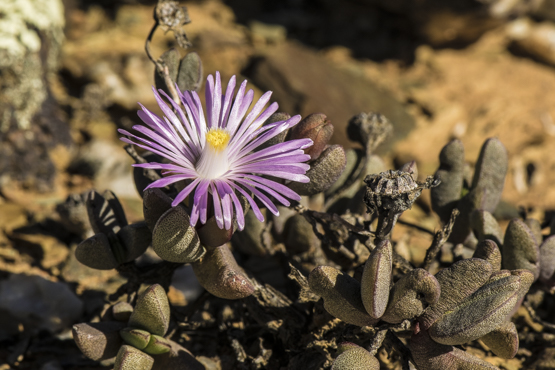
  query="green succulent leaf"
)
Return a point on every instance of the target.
[
  {"x": 98, "y": 341},
  {"x": 341, "y": 294},
  {"x": 376, "y": 279},
  {"x": 356, "y": 358},
  {"x": 130, "y": 358},
  {"x": 135, "y": 337},
  {"x": 520, "y": 248},
  {"x": 157, "y": 345},
  {"x": 152, "y": 311},
  {"x": 489, "y": 251}
]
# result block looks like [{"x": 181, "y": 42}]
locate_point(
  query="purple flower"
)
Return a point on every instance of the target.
[{"x": 215, "y": 153}]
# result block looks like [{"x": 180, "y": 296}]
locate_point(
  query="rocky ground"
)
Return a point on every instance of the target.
[{"x": 470, "y": 70}]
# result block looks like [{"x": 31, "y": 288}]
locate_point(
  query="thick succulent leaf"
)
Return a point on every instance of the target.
[
  {"x": 316, "y": 127},
  {"x": 190, "y": 72},
  {"x": 174, "y": 239},
  {"x": 547, "y": 261},
  {"x": 135, "y": 238},
  {"x": 280, "y": 138},
  {"x": 356, "y": 358},
  {"x": 503, "y": 341},
  {"x": 429, "y": 355},
  {"x": 457, "y": 283},
  {"x": 130, "y": 358},
  {"x": 152, "y": 311},
  {"x": 105, "y": 212},
  {"x": 490, "y": 172},
  {"x": 155, "y": 204},
  {"x": 177, "y": 358},
  {"x": 489, "y": 251},
  {"x": 121, "y": 311},
  {"x": 478, "y": 315},
  {"x": 98, "y": 341},
  {"x": 451, "y": 172},
  {"x": 210, "y": 234},
  {"x": 520, "y": 248},
  {"x": 409, "y": 294},
  {"x": 536, "y": 229},
  {"x": 249, "y": 240},
  {"x": 219, "y": 273},
  {"x": 96, "y": 252},
  {"x": 341, "y": 294},
  {"x": 171, "y": 60},
  {"x": 376, "y": 279},
  {"x": 323, "y": 172},
  {"x": 485, "y": 226},
  {"x": 135, "y": 337},
  {"x": 157, "y": 345}
]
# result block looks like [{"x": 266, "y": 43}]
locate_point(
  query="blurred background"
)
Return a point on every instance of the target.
[{"x": 72, "y": 72}]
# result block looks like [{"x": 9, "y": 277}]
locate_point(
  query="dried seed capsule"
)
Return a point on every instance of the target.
[
  {"x": 152, "y": 311},
  {"x": 341, "y": 294},
  {"x": 376, "y": 279}
]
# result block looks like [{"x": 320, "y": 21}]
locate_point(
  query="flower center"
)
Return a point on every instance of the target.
[
  {"x": 213, "y": 161},
  {"x": 218, "y": 139}
]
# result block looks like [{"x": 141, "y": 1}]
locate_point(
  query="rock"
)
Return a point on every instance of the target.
[
  {"x": 304, "y": 82},
  {"x": 31, "y": 34},
  {"x": 39, "y": 304}
]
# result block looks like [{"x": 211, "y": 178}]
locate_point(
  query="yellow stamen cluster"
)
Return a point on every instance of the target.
[{"x": 217, "y": 138}]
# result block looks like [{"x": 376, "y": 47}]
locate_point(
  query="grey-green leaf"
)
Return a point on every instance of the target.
[
  {"x": 341, "y": 294},
  {"x": 503, "y": 341},
  {"x": 485, "y": 226},
  {"x": 489, "y": 251},
  {"x": 152, "y": 311},
  {"x": 356, "y": 358},
  {"x": 130, "y": 358},
  {"x": 98, "y": 341},
  {"x": 376, "y": 279},
  {"x": 520, "y": 248},
  {"x": 190, "y": 73},
  {"x": 174, "y": 239}
]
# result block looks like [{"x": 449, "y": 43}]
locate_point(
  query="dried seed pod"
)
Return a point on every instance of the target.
[
  {"x": 189, "y": 77},
  {"x": 409, "y": 294},
  {"x": 520, "y": 248},
  {"x": 547, "y": 261},
  {"x": 317, "y": 127},
  {"x": 323, "y": 172},
  {"x": 130, "y": 358},
  {"x": 98, "y": 341},
  {"x": 451, "y": 172},
  {"x": 457, "y": 283},
  {"x": 485, "y": 226},
  {"x": 503, "y": 341},
  {"x": 174, "y": 239},
  {"x": 341, "y": 294},
  {"x": 479, "y": 314},
  {"x": 410, "y": 167},
  {"x": 135, "y": 337},
  {"x": 355, "y": 357},
  {"x": 157, "y": 345},
  {"x": 135, "y": 239},
  {"x": 369, "y": 129},
  {"x": 155, "y": 204},
  {"x": 121, "y": 311},
  {"x": 376, "y": 279},
  {"x": 489, "y": 251},
  {"x": 430, "y": 355},
  {"x": 219, "y": 273},
  {"x": 96, "y": 252},
  {"x": 152, "y": 311}
]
